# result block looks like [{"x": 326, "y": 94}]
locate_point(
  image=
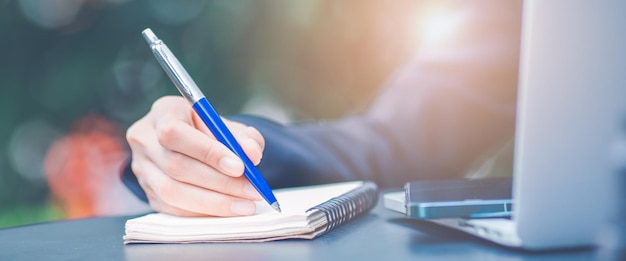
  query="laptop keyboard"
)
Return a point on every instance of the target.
[{"x": 499, "y": 230}]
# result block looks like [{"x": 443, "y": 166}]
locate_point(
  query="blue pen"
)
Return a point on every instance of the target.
[{"x": 209, "y": 116}]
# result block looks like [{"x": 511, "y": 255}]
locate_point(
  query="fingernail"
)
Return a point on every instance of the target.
[
  {"x": 255, "y": 144},
  {"x": 251, "y": 192},
  {"x": 258, "y": 148},
  {"x": 231, "y": 165},
  {"x": 242, "y": 207}
]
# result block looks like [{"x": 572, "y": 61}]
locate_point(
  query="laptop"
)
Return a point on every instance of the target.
[{"x": 571, "y": 101}]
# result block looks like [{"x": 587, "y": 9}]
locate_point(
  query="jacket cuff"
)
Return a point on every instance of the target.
[{"x": 130, "y": 181}]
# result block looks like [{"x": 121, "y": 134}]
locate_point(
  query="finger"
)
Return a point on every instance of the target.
[
  {"x": 135, "y": 135},
  {"x": 241, "y": 130},
  {"x": 167, "y": 209},
  {"x": 172, "y": 105},
  {"x": 189, "y": 170},
  {"x": 165, "y": 193},
  {"x": 177, "y": 135},
  {"x": 250, "y": 139},
  {"x": 185, "y": 169},
  {"x": 144, "y": 143},
  {"x": 160, "y": 206}
]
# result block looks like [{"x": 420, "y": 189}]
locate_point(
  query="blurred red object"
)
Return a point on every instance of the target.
[{"x": 82, "y": 170}]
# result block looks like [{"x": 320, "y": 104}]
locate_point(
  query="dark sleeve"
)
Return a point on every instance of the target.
[
  {"x": 450, "y": 106},
  {"x": 130, "y": 181}
]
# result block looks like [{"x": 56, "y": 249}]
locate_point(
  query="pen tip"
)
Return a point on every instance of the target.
[{"x": 276, "y": 207}]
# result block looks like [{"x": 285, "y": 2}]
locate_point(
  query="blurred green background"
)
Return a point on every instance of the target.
[{"x": 74, "y": 74}]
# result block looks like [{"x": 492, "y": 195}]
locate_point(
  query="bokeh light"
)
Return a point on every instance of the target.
[
  {"x": 81, "y": 169},
  {"x": 438, "y": 25},
  {"x": 176, "y": 12},
  {"x": 27, "y": 148},
  {"x": 50, "y": 14}
]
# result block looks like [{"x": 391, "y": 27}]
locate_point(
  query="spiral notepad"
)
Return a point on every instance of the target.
[{"x": 308, "y": 212}]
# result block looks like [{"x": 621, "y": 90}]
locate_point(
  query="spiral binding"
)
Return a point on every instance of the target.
[{"x": 348, "y": 206}]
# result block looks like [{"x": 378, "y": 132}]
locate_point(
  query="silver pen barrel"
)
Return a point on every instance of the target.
[{"x": 177, "y": 73}]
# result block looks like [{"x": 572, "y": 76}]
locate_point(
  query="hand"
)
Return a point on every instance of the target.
[{"x": 184, "y": 170}]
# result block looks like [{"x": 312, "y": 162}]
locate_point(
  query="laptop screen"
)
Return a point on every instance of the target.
[{"x": 570, "y": 101}]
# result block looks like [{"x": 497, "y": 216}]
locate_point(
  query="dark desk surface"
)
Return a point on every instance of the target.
[{"x": 381, "y": 235}]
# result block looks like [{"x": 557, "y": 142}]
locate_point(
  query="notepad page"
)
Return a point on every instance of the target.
[
  {"x": 297, "y": 200},
  {"x": 265, "y": 222}
]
